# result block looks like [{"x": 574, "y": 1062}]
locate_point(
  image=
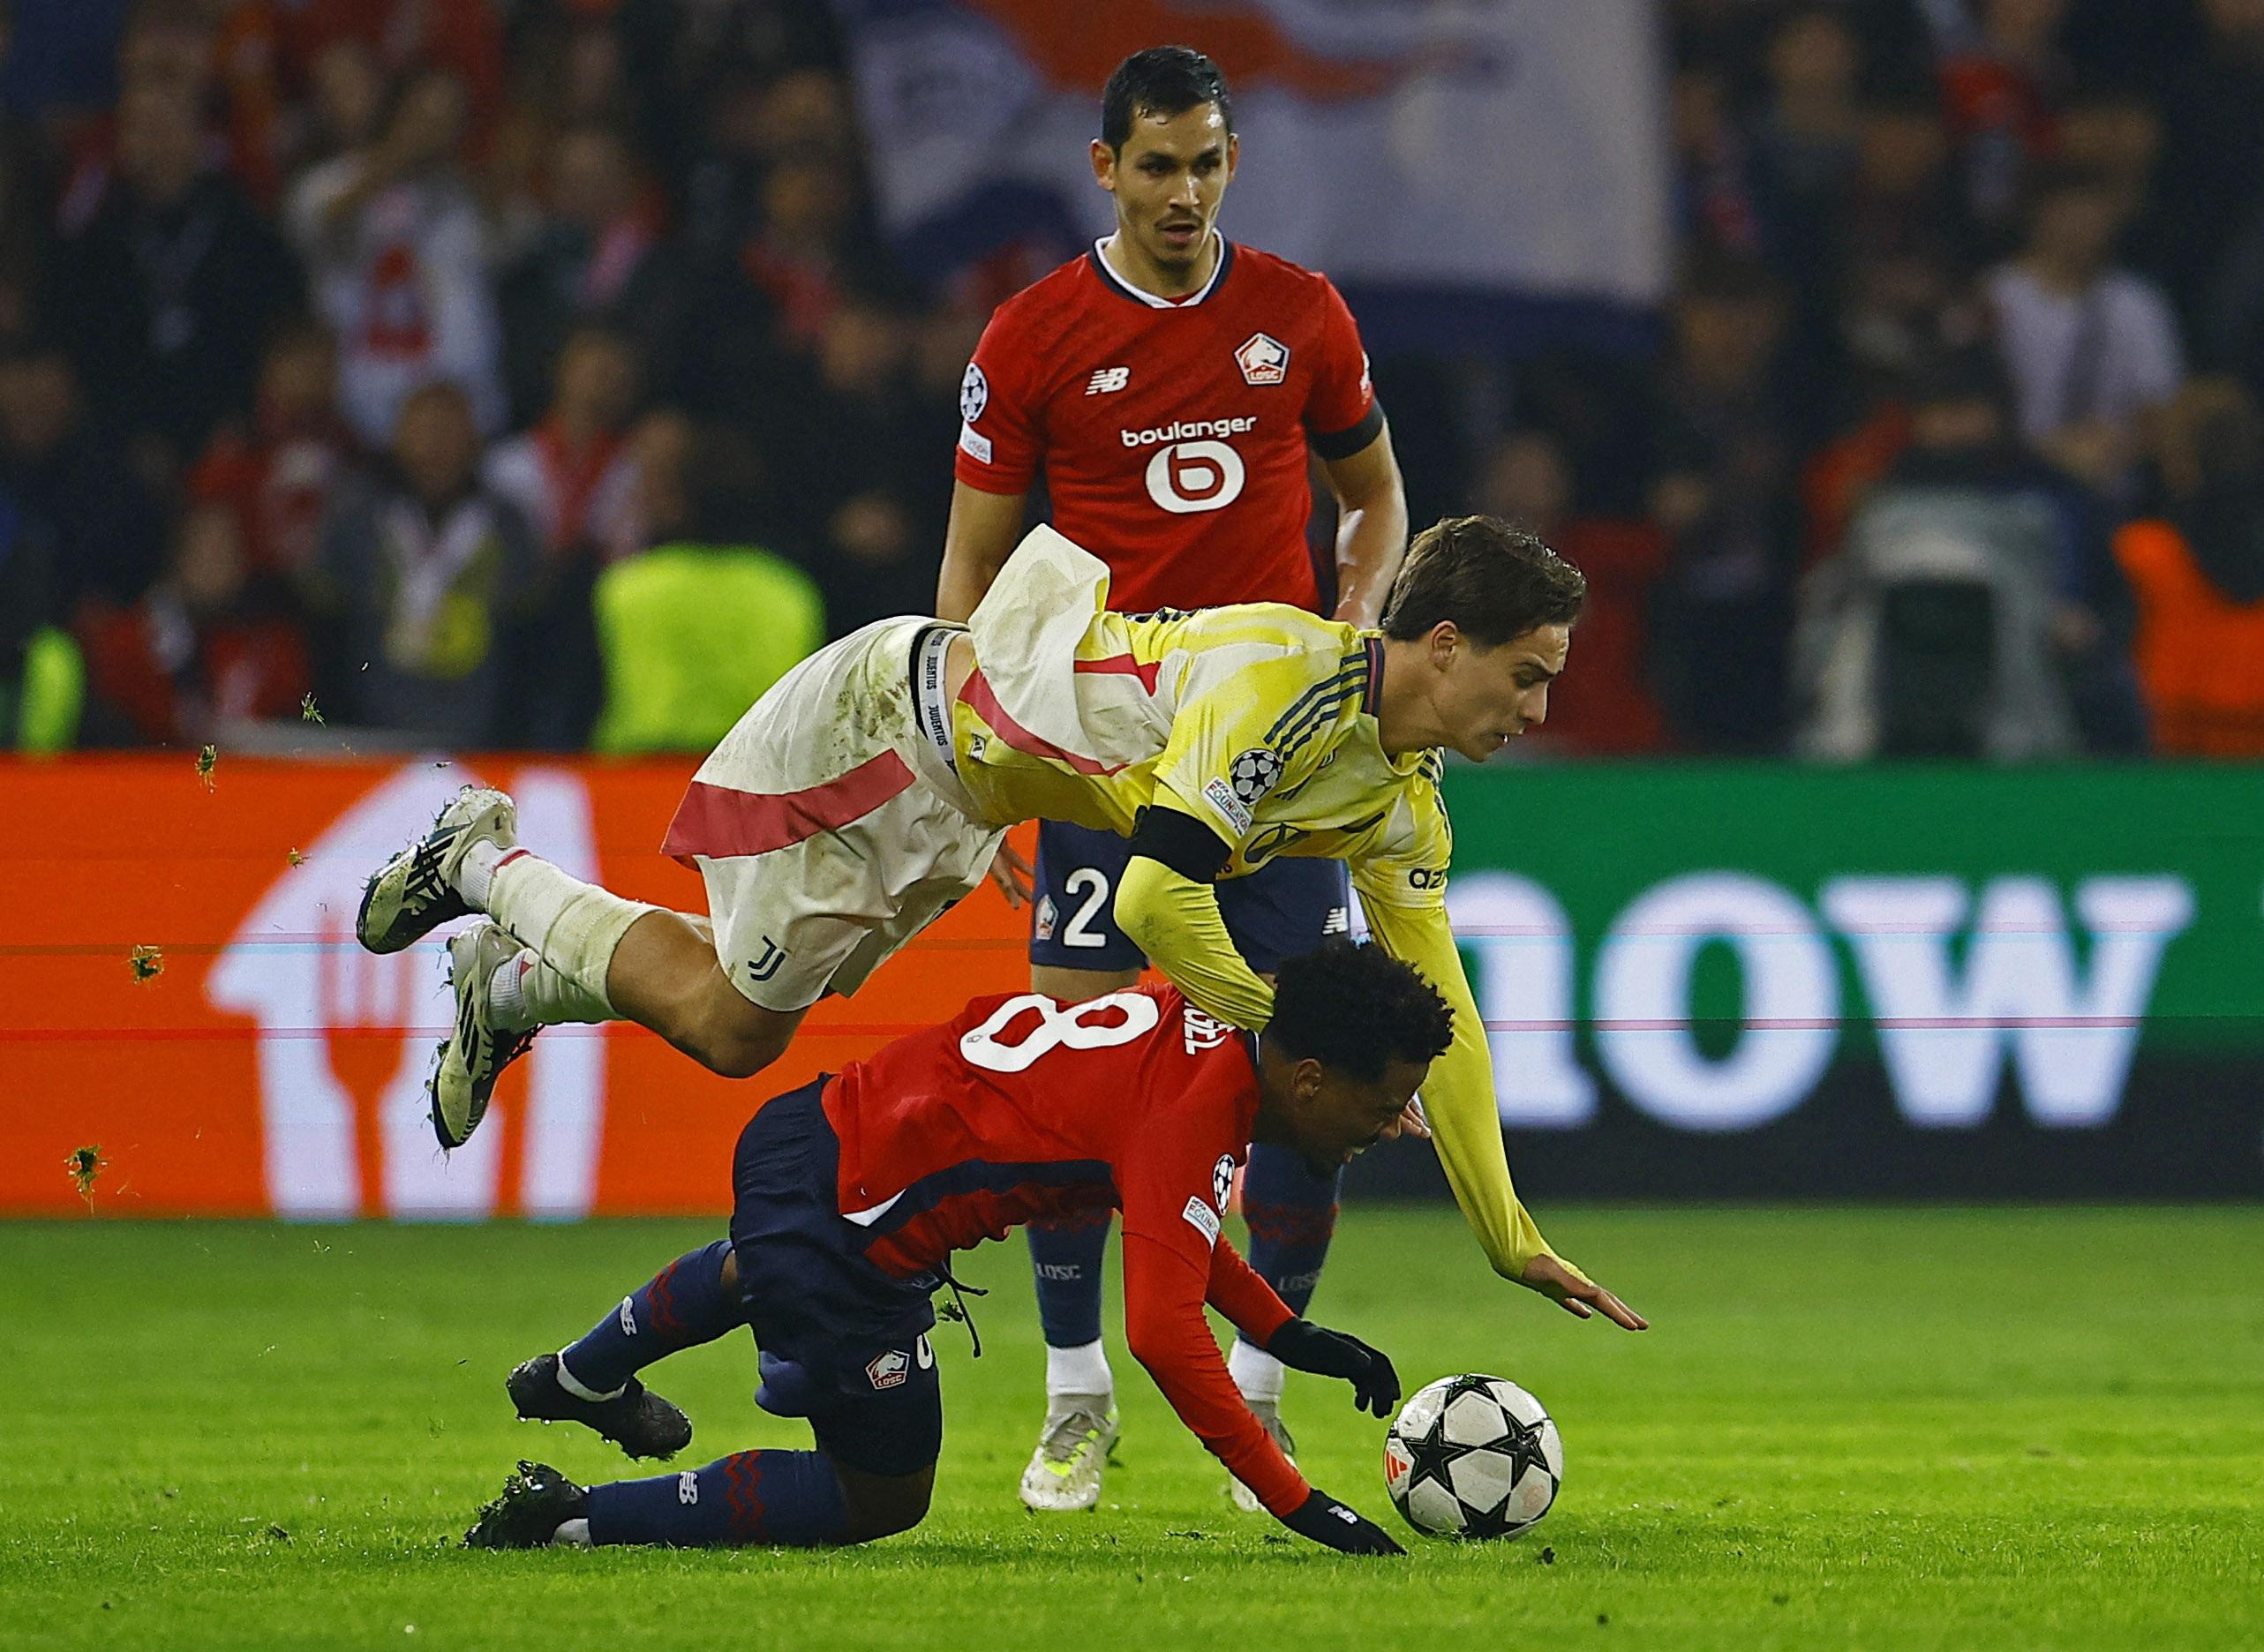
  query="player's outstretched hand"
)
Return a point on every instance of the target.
[
  {"x": 1304, "y": 1346},
  {"x": 1343, "y": 1528},
  {"x": 1013, "y": 876},
  {"x": 1576, "y": 1295}
]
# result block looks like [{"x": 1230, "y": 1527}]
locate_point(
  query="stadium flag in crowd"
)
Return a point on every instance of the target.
[{"x": 1458, "y": 169}]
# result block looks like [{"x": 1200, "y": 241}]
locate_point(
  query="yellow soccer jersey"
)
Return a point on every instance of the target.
[
  {"x": 1257, "y": 719},
  {"x": 1260, "y": 721}
]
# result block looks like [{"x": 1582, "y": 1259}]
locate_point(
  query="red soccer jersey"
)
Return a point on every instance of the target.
[
  {"x": 1020, "y": 1108},
  {"x": 1173, "y": 436}
]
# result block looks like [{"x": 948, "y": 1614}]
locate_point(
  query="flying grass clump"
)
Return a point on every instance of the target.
[{"x": 84, "y": 1165}]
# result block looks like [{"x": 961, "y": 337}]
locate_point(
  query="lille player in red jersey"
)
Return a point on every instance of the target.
[
  {"x": 1171, "y": 387},
  {"x": 852, "y": 1193}
]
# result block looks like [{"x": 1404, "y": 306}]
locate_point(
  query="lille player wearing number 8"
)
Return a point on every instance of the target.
[
  {"x": 869, "y": 789},
  {"x": 852, "y": 1193}
]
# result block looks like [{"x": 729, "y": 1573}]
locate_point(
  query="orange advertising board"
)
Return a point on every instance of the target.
[{"x": 257, "y": 1062}]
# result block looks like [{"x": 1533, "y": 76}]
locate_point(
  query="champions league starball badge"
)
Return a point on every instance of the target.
[{"x": 1254, "y": 774}]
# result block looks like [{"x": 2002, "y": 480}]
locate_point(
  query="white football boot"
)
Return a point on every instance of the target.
[
  {"x": 473, "y": 1056},
  {"x": 1064, "y": 1472},
  {"x": 1268, "y": 1413},
  {"x": 415, "y": 892}
]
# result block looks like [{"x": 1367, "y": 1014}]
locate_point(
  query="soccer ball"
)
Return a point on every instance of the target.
[{"x": 1472, "y": 1457}]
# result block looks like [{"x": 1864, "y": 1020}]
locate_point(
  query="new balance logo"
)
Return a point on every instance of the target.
[{"x": 1108, "y": 380}]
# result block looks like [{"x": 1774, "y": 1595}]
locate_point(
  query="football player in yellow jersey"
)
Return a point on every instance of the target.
[{"x": 869, "y": 788}]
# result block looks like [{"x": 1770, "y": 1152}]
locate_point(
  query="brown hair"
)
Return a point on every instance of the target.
[{"x": 1494, "y": 581}]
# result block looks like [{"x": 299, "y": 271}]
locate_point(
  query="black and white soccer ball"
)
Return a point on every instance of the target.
[{"x": 1473, "y": 1457}]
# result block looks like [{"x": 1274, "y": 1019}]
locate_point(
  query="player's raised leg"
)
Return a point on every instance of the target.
[
  {"x": 417, "y": 891},
  {"x": 613, "y": 960},
  {"x": 591, "y": 956},
  {"x": 605, "y": 958},
  {"x": 593, "y": 1381},
  {"x": 484, "y": 960},
  {"x": 828, "y": 826}
]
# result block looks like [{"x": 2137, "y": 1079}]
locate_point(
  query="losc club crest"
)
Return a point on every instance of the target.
[{"x": 1263, "y": 358}]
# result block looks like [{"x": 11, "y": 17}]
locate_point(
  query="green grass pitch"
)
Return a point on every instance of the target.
[{"x": 1877, "y": 1428}]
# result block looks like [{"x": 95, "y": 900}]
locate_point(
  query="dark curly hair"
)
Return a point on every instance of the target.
[
  {"x": 1356, "y": 1008},
  {"x": 1494, "y": 580}
]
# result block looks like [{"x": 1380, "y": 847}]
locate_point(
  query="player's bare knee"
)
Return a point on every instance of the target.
[
  {"x": 731, "y": 1037},
  {"x": 734, "y": 1050}
]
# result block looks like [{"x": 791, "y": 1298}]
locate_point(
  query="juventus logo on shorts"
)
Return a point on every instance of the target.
[{"x": 773, "y": 954}]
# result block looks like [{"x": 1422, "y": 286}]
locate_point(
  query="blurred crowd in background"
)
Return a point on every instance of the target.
[{"x": 428, "y": 365}]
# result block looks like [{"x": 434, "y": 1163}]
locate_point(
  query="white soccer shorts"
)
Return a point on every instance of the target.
[{"x": 828, "y": 826}]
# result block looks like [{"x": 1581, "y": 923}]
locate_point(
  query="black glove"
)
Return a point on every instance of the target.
[
  {"x": 1304, "y": 1346},
  {"x": 1323, "y": 1518}
]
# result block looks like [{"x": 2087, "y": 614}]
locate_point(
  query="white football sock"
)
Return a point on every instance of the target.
[
  {"x": 1256, "y": 1373},
  {"x": 476, "y": 870},
  {"x": 574, "y": 926},
  {"x": 573, "y": 1535},
  {"x": 525, "y": 991},
  {"x": 581, "y": 1390},
  {"x": 507, "y": 1006},
  {"x": 1080, "y": 1373}
]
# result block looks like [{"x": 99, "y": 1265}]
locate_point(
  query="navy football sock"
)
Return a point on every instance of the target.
[
  {"x": 786, "y": 1499},
  {"x": 681, "y": 1306},
  {"x": 1066, "y": 1255},
  {"x": 1293, "y": 1217}
]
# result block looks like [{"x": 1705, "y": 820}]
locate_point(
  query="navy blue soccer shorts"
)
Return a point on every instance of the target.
[
  {"x": 843, "y": 1343},
  {"x": 1286, "y": 907}
]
